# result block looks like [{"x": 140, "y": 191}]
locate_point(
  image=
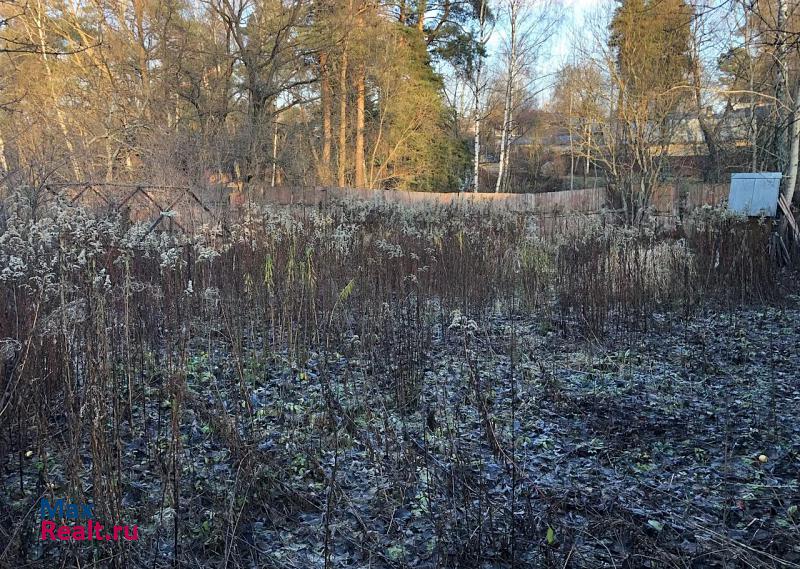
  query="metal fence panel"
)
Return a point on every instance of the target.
[{"x": 755, "y": 193}]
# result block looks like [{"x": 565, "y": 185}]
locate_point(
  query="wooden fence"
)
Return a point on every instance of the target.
[
  {"x": 188, "y": 208},
  {"x": 668, "y": 200},
  {"x": 570, "y": 200}
]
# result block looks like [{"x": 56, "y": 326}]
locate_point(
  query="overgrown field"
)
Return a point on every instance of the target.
[{"x": 370, "y": 386}]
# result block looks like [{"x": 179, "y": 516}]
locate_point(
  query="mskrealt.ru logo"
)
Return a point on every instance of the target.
[{"x": 86, "y": 530}]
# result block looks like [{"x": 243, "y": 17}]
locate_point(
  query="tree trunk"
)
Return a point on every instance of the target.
[
  {"x": 274, "y": 152},
  {"x": 753, "y": 126},
  {"x": 571, "y": 149},
  {"x": 794, "y": 150},
  {"x": 712, "y": 171},
  {"x": 508, "y": 101},
  {"x": 327, "y": 132},
  {"x": 477, "y": 92},
  {"x": 110, "y": 157},
  {"x": 343, "y": 119},
  {"x": 587, "y": 157},
  {"x": 61, "y": 119},
  {"x": 781, "y": 139},
  {"x": 142, "y": 56},
  {"x": 359, "y": 151},
  {"x": 477, "y": 144},
  {"x": 3, "y": 161},
  {"x": 503, "y": 138}
]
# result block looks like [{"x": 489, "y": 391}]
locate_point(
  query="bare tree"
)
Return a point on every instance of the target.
[
  {"x": 478, "y": 85},
  {"x": 529, "y": 28}
]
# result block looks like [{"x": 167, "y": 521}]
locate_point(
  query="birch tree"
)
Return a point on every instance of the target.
[
  {"x": 478, "y": 86},
  {"x": 513, "y": 7},
  {"x": 530, "y": 25}
]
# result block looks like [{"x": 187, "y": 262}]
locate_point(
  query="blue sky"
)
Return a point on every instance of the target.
[{"x": 578, "y": 18}]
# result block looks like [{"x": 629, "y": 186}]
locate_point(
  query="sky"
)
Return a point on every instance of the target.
[
  {"x": 579, "y": 17},
  {"x": 581, "y": 21},
  {"x": 575, "y": 28}
]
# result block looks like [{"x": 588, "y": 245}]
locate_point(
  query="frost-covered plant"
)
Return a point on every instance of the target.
[
  {"x": 390, "y": 250},
  {"x": 461, "y": 323},
  {"x": 708, "y": 216}
]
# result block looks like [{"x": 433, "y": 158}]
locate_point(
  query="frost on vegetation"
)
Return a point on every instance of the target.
[
  {"x": 461, "y": 323},
  {"x": 321, "y": 220},
  {"x": 15, "y": 269},
  {"x": 102, "y": 281},
  {"x": 342, "y": 238},
  {"x": 136, "y": 236},
  {"x": 389, "y": 250},
  {"x": 68, "y": 316},
  {"x": 170, "y": 258},
  {"x": 211, "y": 295},
  {"x": 9, "y": 347},
  {"x": 709, "y": 216},
  {"x": 269, "y": 221},
  {"x": 205, "y": 254},
  {"x": 468, "y": 244},
  {"x": 532, "y": 232}
]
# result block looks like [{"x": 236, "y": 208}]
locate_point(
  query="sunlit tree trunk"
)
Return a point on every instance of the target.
[
  {"x": 781, "y": 87},
  {"x": 142, "y": 55},
  {"x": 794, "y": 148},
  {"x": 327, "y": 132},
  {"x": 343, "y": 119},
  {"x": 110, "y": 157},
  {"x": 505, "y": 133},
  {"x": 571, "y": 148},
  {"x": 3, "y": 161},
  {"x": 359, "y": 150},
  {"x": 477, "y": 150},
  {"x": 501, "y": 171},
  {"x": 60, "y": 118},
  {"x": 588, "y": 153},
  {"x": 477, "y": 103},
  {"x": 790, "y": 175},
  {"x": 274, "y": 152}
]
